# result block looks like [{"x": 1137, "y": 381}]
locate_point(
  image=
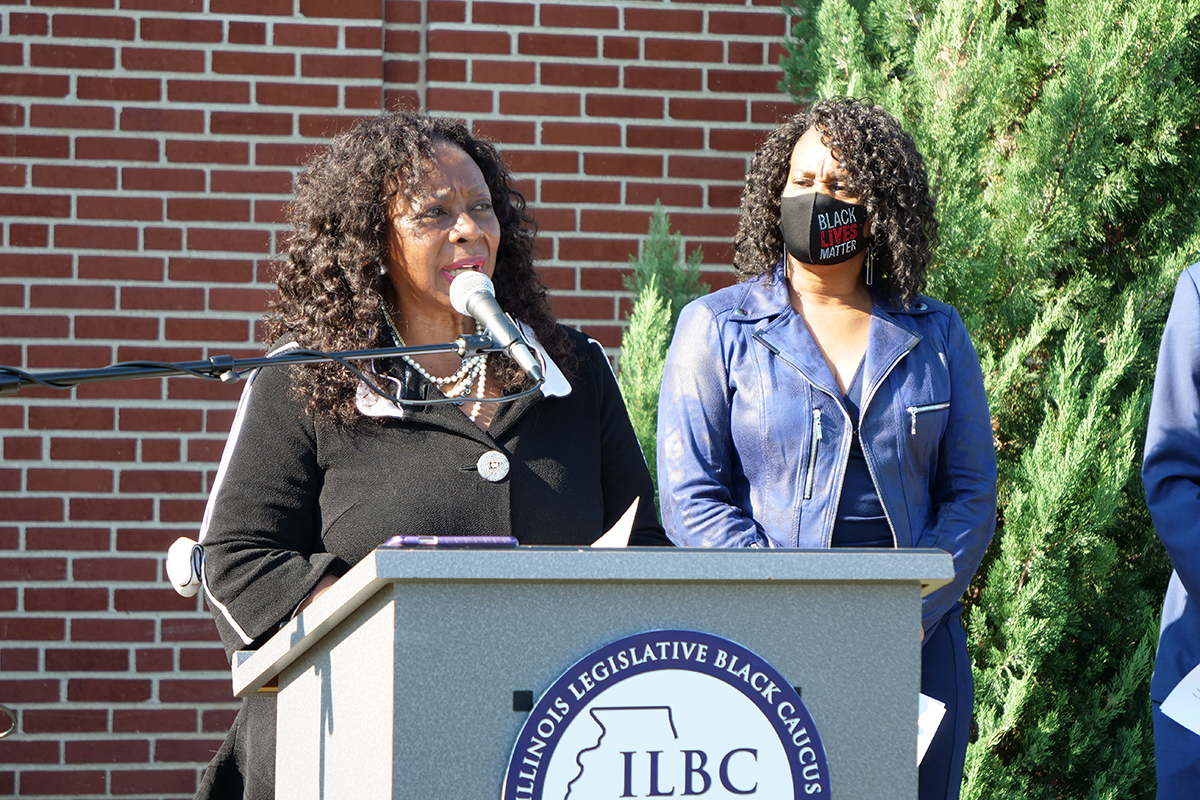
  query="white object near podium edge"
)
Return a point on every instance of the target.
[{"x": 398, "y": 681}]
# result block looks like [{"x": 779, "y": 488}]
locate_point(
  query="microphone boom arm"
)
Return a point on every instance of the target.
[{"x": 229, "y": 370}]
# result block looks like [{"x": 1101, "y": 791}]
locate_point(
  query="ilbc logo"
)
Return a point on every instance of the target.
[{"x": 668, "y": 714}]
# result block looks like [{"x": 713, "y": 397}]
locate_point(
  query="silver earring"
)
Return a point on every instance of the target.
[
  {"x": 382, "y": 269},
  {"x": 870, "y": 266}
]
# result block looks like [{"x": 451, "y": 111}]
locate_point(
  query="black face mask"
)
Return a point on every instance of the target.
[{"x": 819, "y": 229}]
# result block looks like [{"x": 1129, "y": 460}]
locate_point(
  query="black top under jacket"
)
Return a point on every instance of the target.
[{"x": 294, "y": 500}]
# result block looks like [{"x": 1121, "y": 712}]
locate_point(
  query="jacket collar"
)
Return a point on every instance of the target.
[
  {"x": 787, "y": 334},
  {"x": 763, "y": 297}
]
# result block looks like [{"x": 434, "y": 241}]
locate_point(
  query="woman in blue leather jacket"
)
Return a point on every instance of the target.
[{"x": 823, "y": 401}]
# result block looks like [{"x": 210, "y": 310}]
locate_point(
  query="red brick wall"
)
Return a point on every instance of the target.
[{"x": 146, "y": 149}]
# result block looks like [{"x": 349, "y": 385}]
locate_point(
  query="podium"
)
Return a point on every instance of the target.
[{"x": 399, "y": 681}]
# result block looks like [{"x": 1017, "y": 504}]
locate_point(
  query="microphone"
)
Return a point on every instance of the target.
[{"x": 472, "y": 294}]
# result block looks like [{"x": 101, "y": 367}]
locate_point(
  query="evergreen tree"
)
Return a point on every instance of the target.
[
  {"x": 662, "y": 259},
  {"x": 1062, "y": 138},
  {"x": 663, "y": 282},
  {"x": 643, "y": 352}
]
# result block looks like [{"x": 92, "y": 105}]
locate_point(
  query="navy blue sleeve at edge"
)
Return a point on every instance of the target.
[{"x": 1171, "y": 465}]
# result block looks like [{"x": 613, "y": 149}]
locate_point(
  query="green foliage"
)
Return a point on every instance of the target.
[
  {"x": 1062, "y": 138},
  {"x": 662, "y": 261},
  {"x": 643, "y": 352},
  {"x": 663, "y": 282}
]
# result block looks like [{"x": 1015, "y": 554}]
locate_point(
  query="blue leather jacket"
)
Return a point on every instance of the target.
[{"x": 753, "y": 436}]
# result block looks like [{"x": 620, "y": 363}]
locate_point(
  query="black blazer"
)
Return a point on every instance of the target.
[{"x": 294, "y": 501}]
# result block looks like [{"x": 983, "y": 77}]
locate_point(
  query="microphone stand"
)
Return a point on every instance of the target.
[{"x": 230, "y": 370}]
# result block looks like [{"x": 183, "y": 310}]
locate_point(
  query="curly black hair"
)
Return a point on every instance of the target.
[
  {"x": 885, "y": 171},
  {"x": 330, "y": 289}
]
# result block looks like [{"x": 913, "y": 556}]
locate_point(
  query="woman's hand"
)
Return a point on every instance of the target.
[{"x": 320, "y": 589}]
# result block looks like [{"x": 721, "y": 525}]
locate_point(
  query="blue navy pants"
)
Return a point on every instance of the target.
[
  {"x": 946, "y": 676},
  {"x": 1176, "y": 759}
]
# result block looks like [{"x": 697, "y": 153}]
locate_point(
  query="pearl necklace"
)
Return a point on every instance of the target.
[
  {"x": 473, "y": 369},
  {"x": 480, "y": 387},
  {"x": 477, "y": 374}
]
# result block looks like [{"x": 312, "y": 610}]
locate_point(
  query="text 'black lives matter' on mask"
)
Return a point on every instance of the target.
[{"x": 820, "y": 229}]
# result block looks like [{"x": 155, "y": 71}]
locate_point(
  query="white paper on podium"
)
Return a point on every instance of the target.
[
  {"x": 929, "y": 715},
  {"x": 618, "y": 535},
  {"x": 1183, "y": 703}
]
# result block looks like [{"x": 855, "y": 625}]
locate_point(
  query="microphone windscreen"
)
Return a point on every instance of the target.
[{"x": 467, "y": 284}]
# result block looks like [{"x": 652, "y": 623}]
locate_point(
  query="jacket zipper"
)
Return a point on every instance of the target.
[
  {"x": 816, "y": 416},
  {"x": 812, "y": 454},
  {"x": 914, "y": 410},
  {"x": 870, "y": 469}
]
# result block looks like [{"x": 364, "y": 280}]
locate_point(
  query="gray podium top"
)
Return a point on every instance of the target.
[{"x": 253, "y": 669}]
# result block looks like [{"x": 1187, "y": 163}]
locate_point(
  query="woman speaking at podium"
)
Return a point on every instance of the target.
[
  {"x": 318, "y": 470},
  {"x": 823, "y": 401}
]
